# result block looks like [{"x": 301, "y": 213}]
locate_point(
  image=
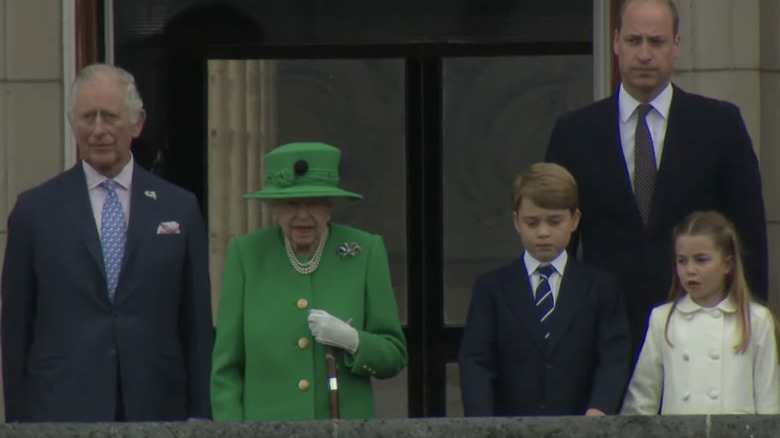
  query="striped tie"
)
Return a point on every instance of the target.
[{"x": 544, "y": 297}]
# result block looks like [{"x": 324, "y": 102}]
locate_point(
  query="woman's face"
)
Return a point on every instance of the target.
[{"x": 303, "y": 221}]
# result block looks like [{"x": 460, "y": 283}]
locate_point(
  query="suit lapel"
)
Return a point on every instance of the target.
[
  {"x": 615, "y": 158},
  {"x": 671, "y": 155},
  {"x": 570, "y": 294},
  {"x": 80, "y": 211},
  {"x": 517, "y": 293},
  {"x": 142, "y": 208},
  {"x": 618, "y": 184}
]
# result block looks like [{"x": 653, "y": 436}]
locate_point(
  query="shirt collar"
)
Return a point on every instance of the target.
[
  {"x": 661, "y": 104},
  {"x": 95, "y": 179},
  {"x": 559, "y": 263},
  {"x": 687, "y": 305}
]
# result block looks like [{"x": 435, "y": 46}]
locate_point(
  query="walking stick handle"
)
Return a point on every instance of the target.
[{"x": 333, "y": 381}]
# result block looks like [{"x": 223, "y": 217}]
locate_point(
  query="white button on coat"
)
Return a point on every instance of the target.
[
  {"x": 714, "y": 355},
  {"x": 698, "y": 371}
]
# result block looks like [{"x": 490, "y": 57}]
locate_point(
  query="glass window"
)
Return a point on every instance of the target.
[
  {"x": 498, "y": 115},
  {"x": 356, "y": 105}
]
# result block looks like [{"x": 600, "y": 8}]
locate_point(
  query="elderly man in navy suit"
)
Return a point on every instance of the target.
[
  {"x": 106, "y": 311},
  {"x": 650, "y": 155}
]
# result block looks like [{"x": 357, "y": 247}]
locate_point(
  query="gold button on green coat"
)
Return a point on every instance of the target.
[{"x": 259, "y": 362}]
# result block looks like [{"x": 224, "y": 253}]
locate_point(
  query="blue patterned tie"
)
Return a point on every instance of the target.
[
  {"x": 544, "y": 297},
  {"x": 113, "y": 233}
]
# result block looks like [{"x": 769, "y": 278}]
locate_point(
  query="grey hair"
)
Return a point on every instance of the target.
[{"x": 132, "y": 98}]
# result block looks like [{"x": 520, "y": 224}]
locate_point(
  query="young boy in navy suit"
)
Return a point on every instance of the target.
[{"x": 545, "y": 335}]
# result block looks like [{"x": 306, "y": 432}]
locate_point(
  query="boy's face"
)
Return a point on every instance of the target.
[{"x": 545, "y": 233}]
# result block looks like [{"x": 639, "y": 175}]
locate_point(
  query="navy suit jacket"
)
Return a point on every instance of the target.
[
  {"x": 65, "y": 344},
  {"x": 507, "y": 368},
  {"x": 707, "y": 163}
]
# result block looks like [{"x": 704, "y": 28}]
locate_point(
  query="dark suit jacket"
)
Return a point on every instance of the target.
[
  {"x": 707, "y": 163},
  {"x": 65, "y": 344},
  {"x": 506, "y": 366}
]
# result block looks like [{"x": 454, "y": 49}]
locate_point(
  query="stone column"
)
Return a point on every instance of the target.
[
  {"x": 720, "y": 55},
  {"x": 241, "y": 127},
  {"x": 31, "y": 108},
  {"x": 731, "y": 51},
  {"x": 770, "y": 137}
]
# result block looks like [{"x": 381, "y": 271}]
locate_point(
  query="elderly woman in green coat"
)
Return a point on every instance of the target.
[{"x": 290, "y": 290}]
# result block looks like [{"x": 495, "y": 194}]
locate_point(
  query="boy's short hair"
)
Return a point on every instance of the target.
[{"x": 549, "y": 186}]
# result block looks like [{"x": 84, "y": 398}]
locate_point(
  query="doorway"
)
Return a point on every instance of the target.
[{"x": 436, "y": 105}]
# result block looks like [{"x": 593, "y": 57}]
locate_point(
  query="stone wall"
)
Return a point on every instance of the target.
[
  {"x": 31, "y": 110},
  {"x": 731, "y": 50},
  {"x": 550, "y": 427},
  {"x": 769, "y": 22}
]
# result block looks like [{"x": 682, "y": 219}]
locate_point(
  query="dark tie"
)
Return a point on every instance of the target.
[
  {"x": 644, "y": 163},
  {"x": 544, "y": 297}
]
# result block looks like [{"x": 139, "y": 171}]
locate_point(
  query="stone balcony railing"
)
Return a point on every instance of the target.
[{"x": 695, "y": 426}]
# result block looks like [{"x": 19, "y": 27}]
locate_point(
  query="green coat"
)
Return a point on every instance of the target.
[{"x": 264, "y": 350}]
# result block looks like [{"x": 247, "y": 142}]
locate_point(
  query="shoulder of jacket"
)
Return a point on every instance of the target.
[
  {"x": 262, "y": 237},
  {"x": 758, "y": 310},
  {"x": 704, "y": 104},
  {"x": 589, "y": 111},
  {"x": 162, "y": 186},
  {"x": 345, "y": 232},
  {"x": 660, "y": 311}
]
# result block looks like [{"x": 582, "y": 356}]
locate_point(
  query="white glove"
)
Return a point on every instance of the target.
[{"x": 329, "y": 330}]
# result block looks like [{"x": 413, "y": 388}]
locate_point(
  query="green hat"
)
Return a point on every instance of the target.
[{"x": 302, "y": 170}]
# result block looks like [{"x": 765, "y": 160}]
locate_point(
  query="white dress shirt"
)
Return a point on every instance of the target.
[
  {"x": 657, "y": 120},
  {"x": 700, "y": 372},
  {"x": 98, "y": 194},
  {"x": 559, "y": 263}
]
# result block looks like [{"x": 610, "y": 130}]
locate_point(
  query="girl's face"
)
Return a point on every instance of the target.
[{"x": 702, "y": 269}]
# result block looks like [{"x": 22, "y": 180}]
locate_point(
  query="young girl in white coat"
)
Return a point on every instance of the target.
[{"x": 711, "y": 349}]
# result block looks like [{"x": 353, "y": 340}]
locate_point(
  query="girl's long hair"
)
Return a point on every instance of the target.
[{"x": 724, "y": 236}]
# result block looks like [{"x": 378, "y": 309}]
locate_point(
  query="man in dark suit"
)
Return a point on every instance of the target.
[
  {"x": 545, "y": 335},
  {"x": 106, "y": 312},
  {"x": 651, "y": 154}
]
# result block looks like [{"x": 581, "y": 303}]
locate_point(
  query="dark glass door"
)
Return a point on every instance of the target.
[{"x": 436, "y": 104}]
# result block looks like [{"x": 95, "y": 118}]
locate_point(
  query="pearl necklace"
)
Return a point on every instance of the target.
[{"x": 306, "y": 268}]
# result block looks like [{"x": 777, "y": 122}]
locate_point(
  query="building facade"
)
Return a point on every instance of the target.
[{"x": 730, "y": 50}]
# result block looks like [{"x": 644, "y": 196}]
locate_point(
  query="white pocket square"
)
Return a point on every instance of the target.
[{"x": 170, "y": 227}]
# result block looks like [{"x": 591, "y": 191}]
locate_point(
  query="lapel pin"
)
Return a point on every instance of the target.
[
  {"x": 151, "y": 194},
  {"x": 349, "y": 249}
]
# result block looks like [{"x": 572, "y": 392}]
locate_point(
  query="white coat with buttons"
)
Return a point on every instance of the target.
[{"x": 698, "y": 371}]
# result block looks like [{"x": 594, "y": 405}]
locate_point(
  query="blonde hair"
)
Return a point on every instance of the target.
[
  {"x": 549, "y": 186},
  {"x": 724, "y": 236}
]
